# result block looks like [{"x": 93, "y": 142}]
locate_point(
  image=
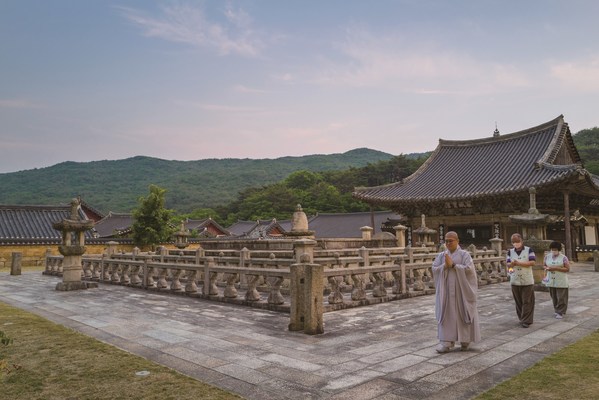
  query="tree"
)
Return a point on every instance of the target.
[{"x": 150, "y": 219}]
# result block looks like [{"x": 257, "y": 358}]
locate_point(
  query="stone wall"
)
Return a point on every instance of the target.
[{"x": 34, "y": 254}]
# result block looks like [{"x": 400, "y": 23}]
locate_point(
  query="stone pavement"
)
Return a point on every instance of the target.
[{"x": 384, "y": 351}]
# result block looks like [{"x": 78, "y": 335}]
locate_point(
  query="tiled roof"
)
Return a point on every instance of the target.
[
  {"x": 92, "y": 213},
  {"x": 114, "y": 224},
  {"x": 33, "y": 223},
  {"x": 241, "y": 227},
  {"x": 492, "y": 166},
  {"x": 255, "y": 230},
  {"x": 200, "y": 224},
  {"x": 347, "y": 225}
]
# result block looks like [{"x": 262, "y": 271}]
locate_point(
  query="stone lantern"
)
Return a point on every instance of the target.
[
  {"x": 424, "y": 233},
  {"x": 72, "y": 248},
  {"x": 181, "y": 237}
]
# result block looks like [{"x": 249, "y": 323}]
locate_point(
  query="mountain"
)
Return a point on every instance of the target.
[{"x": 116, "y": 185}]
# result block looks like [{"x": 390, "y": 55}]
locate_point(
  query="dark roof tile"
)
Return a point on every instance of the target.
[{"x": 485, "y": 167}]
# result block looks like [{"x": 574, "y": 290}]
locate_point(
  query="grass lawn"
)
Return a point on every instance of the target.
[
  {"x": 49, "y": 361},
  {"x": 571, "y": 373}
]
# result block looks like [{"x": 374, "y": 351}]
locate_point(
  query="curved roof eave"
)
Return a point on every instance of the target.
[{"x": 567, "y": 173}]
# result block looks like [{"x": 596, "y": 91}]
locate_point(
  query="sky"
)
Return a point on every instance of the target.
[{"x": 189, "y": 80}]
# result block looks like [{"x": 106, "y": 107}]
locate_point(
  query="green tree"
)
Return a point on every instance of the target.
[
  {"x": 587, "y": 143},
  {"x": 302, "y": 180},
  {"x": 151, "y": 219}
]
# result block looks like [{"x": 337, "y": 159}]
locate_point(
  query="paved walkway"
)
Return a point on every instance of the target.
[{"x": 384, "y": 351}]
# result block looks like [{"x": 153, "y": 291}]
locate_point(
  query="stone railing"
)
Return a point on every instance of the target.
[{"x": 296, "y": 285}]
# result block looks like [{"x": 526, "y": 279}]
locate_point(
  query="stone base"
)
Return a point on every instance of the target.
[{"x": 68, "y": 286}]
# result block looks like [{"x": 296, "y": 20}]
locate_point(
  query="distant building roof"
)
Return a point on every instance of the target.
[
  {"x": 501, "y": 165},
  {"x": 257, "y": 229},
  {"x": 347, "y": 225},
  {"x": 114, "y": 225},
  {"x": 92, "y": 213},
  {"x": 33, "y": 224},
  {"x": 206, "y": 225}
]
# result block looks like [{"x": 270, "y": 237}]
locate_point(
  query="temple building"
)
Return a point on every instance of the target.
[{"x": 473, "y": 187}]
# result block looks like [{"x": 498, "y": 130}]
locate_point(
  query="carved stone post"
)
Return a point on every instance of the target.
[
  {"x": 313, "y": 321},
  {"x": 297, "y": 294},
  {"x": 47, "y": 264},
  {"x": 306, "y": 297},
  {"x": 111, "y": 248},
  {"x": 400, "y": 234},
  {"x": 304, "y": 246},
  {"x": 244, "y": 260},
  {"x": 596, "y": 260},
  {"x": 496, "y": 245},
  {"x": 366, "y": 232},
  {"x": 15, "y": 265}
]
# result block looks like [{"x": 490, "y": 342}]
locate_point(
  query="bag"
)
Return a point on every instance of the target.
[{"x": 545, "y": 280}]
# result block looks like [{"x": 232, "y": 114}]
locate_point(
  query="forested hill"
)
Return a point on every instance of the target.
[{"x": 116, "y": 185}]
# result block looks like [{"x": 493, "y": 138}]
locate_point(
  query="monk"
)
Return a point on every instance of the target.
[{"x": 455, "y": 299}]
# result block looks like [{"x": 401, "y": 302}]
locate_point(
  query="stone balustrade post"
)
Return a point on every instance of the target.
[
  {"x": 111, "y": 248},
  {"x": 496, "y": 245},
  {"x": 313, "y": 321},
  {"x": 200, "y": 252},
  {"x": 364, "y": 254},
  {"x": 304, "y": 246},
  {"x": 244, "y": 258},
  {"x": 297, "y": 294},
  {"x": 209, "y": 288},
  {"x": 596, "y": 260},
  {"x": 307, "y": 308},
  {"x": 15, "y": 265},
  {"x": 404, "y": 278},
  {"x": 410, "y": 252},
  {"x": 366, "y": 232},
  {"x": 47, "y": 266},
  {"x": 163, "y": 251},
  {"x": 400, "y": 234}
]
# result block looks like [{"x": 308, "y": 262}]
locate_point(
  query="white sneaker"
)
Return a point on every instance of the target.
[{"x": 558, "y": 316}]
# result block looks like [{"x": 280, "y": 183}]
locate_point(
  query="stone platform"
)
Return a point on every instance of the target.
[{"x": 383, "y": 351}]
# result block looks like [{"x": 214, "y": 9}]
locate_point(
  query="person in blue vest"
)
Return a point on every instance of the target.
[
  {"x": 557, "y": 266},
  {"x": 520, "y": 260}
]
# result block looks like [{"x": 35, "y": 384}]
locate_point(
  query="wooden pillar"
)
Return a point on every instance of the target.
[
  {"x": 567, "y": 225},
  {"x": 372, "y": 220}
]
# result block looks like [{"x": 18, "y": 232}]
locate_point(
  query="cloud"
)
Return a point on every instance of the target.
[
  {"x": 246, "y": 89},
  {"x": 184, "y": 23},
  {"x": 228, "y": 109},
  {"x": 366, "y": 60},
  {"x": 16, "y": 103},
  {"x": 580, "y": 75}
]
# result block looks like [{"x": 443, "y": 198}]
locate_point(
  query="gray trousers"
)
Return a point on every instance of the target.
[
  {"x": 560, "y": 299},
  {"x": 524, "y": 296}
]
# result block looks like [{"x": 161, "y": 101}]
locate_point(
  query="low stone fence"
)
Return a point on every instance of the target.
[{"x": 305, "y": 283}]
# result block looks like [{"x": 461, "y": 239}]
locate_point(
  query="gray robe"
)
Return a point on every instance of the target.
[{"x": 455, "y": 298}]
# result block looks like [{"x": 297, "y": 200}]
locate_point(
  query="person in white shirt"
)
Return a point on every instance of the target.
[
  {"x": 521, "y": 260},
  {"x": 557, "y": 266}
]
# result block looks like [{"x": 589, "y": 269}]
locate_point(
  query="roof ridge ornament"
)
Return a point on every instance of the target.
[{"x": 496, "y": 131}]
